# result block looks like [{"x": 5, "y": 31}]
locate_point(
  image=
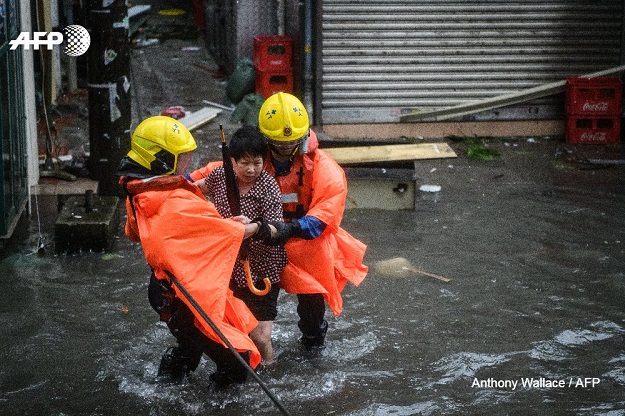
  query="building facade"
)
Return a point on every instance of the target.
[{"x": 18, "y": 136}]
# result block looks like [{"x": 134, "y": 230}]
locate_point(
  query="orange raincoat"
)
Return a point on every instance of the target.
[
  {"x": 183, "y": 234},
  {"x": 325, "y": 264}
]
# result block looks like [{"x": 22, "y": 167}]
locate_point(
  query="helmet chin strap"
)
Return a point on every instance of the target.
[
  {"x": 303, "y": 147},
  {"x": 295, "y": 151}
]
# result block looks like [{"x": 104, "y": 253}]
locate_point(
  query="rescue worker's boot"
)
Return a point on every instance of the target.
[
  {"x": 311, "y": 309},
  {"x": 221, "y": 380},
  {"x": 229, "y": 369},
  {"x": 315, "y": 340},
  {"x": 176, "y": 363}
]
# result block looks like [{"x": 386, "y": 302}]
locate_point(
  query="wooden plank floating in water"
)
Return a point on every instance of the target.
[{"x": 388, "y": 153}]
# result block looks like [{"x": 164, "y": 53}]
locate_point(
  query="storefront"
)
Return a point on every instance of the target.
[{"x": 380, "y": 59}]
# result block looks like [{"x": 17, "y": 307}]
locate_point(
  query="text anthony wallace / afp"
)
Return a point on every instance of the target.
[{"x": 535, "y": 383}]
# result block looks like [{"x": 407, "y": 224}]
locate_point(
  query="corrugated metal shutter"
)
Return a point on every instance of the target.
[{"x": 381, "y": 56}]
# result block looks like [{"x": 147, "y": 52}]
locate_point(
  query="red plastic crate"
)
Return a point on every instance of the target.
[
  {"x": 593, "y": 129},
  {"x": 272, "y": 52},
  {"x": 599, "y": 96},
  {"x": 271, "y": 82}
]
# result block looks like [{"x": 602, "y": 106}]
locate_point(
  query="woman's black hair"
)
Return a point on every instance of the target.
[{"x": 248, "y": 140}]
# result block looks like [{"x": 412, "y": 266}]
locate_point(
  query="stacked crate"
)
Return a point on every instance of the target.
[
  {"x": 272, "y": 61},
  {"x": 593, "y": 110}
]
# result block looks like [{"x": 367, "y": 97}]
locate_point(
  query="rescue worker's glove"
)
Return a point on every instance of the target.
[
  {"x": 264, "y": 232},
  {"x": 286, "y": 230}
]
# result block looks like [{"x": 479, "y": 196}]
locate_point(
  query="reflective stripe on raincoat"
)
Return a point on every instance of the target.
[{"x": 182, "y": 233}]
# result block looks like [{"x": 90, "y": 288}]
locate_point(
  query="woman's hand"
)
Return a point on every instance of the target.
[
  {"x": 201, "y": 184},
  {"x": 250, "y": 229},
  {"x": 242, "y": 219}
]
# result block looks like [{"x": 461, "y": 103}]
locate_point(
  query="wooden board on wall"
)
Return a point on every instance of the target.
[{"x": 387, "y": 153}]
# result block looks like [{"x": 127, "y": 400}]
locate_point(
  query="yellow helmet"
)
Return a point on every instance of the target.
[
  {"x": 283, "y": 118},
  {"x": 156, "y": 143}
]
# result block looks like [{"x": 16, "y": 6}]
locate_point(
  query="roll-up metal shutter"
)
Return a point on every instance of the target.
[{"x": 381, "y": 56}]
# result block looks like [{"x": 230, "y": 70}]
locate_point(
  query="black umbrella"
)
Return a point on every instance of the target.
[
  {"x": 232, "y": 187},
  {"x": 234, "y": 201}
]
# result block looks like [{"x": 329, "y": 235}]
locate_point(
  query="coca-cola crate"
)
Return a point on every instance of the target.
[
  {"x": 594, "y": 96},
  {"x": 593, "y": 129},
  {"x": 272, "y": 52},
  {"x": 271, "y": 82}
]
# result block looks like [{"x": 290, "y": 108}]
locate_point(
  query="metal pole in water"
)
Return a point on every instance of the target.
[
  {"x": 214, "y": 327},
  {"x": 109, "y": 92}
]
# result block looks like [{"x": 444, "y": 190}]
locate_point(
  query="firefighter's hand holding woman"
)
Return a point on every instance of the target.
[
  {"x": 322, "y": 256},
  {"x": 183, "y": 235}
]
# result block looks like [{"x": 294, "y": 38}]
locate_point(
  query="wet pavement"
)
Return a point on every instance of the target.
[{"x": 531, "y": 322}]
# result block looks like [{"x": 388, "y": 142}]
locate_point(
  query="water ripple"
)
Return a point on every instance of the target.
[
  {"x": 424, "y": 408},
  {"x": 558, "y": 349},
  {"x": 466, "y": 364}
]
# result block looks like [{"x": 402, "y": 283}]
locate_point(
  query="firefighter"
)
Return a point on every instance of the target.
[
  {"x": 183, "y": 235},
  {"x": 322, "y": 257}
]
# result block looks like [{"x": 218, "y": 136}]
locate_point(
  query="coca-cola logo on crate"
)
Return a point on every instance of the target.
[
  {"x": 602, "y": 106},
  {"x": 593, "y": 137}
]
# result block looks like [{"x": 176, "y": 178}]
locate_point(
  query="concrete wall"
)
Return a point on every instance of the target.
[{"x": 437, "y": 130}]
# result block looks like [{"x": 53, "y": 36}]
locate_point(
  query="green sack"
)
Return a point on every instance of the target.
[
  {"x": 241, "y": 82},
  {"x": 248, "y": 109}
]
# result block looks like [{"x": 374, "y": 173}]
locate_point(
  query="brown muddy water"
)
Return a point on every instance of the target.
[{"x": 532, "y": 320}]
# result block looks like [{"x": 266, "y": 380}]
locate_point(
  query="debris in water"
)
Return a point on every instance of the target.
[
  {"x": 479, "y": 151},
  {"x": 430, "y": 188},
  {"x": 171, "y": 12},
  {"x": 476, "y": 147},
  {"x": 111, "y": 256},
  {"x": 396, "y": 267},
  {"x": 41, "y": 248},
  {"x": 401, "y": 267}
]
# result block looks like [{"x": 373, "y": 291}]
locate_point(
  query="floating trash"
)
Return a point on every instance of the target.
[
  {"x": 171, "y": 12},
  {"x": 401, "y": 267},
  {"x": 430, "y": 188}
]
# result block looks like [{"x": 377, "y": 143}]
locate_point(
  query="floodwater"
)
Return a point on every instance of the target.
[{"x": 532, "y": 321}]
